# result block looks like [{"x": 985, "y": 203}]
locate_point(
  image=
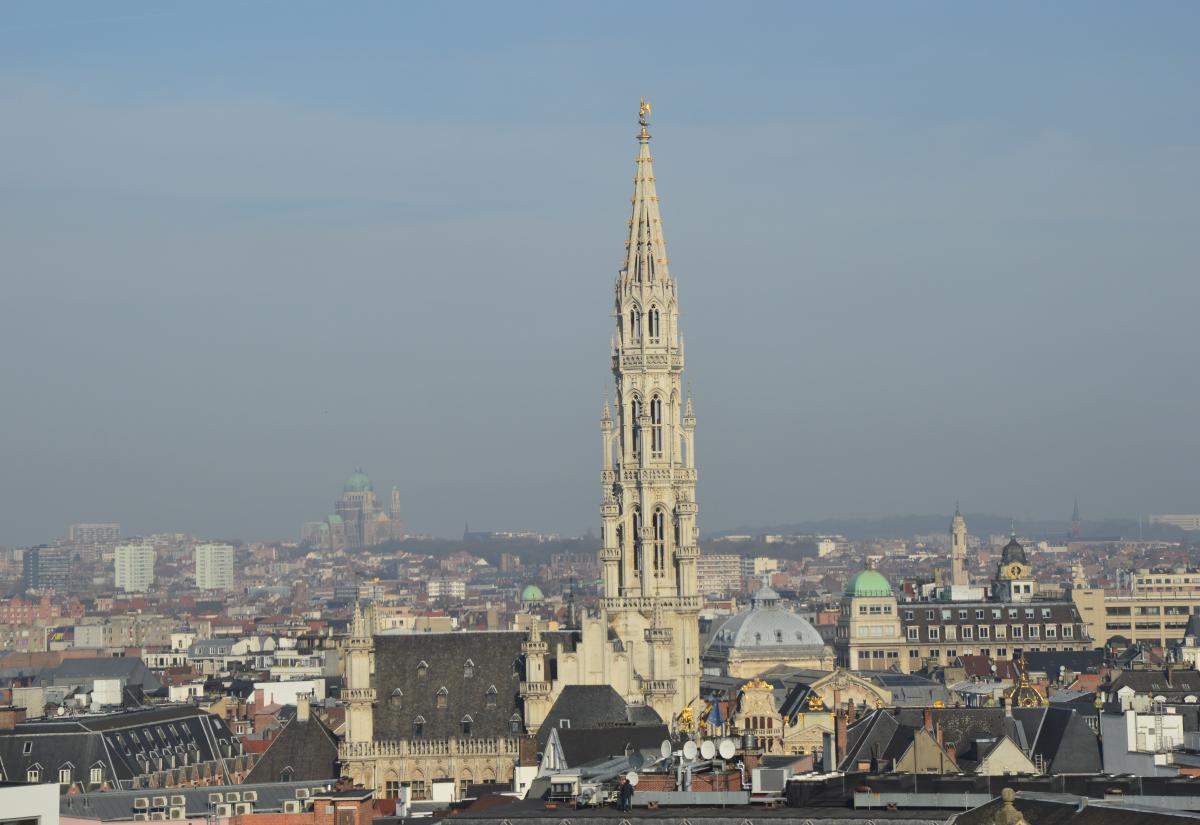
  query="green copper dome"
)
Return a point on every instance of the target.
[
  {"x": 868, "y": 583},
  {"x": 357, "y": 482},
  {"x": 532, "y": 593}
]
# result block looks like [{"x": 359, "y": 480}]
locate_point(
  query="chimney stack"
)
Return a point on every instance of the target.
[
  {"x": 841, "y": 736},
  {"x": 303, "y": 711},
  {"x": 928, "y": 719}
]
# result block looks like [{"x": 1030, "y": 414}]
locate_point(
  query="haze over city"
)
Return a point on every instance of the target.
[{"x": 926, "y": 254}]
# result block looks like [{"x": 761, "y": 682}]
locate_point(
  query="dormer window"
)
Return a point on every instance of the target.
[
  {"x": 514, "y": 723},
  {"x": 490, "y": 696},
  {"x": 422, "y": 669},
  {"x": 418, "y": 727},
  {"x": 467, "y": 721},
  {"x": 396, "y": 700},
  {"x": 468, "y": 669},
  {"x": 443, "y": 698}
]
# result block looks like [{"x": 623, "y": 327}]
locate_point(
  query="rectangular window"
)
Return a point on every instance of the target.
[
  {"x": 1001, "y": 631},
  {"x": 929, "y": 614},
  {"x": 908, "y": 615},
  {"x": 1029, "y": 613},
  {"x": 97, "y": 776},
  {"x": 1012, "y": 612},
  {"x": 962, "y": 614},
  {"x": 985, "y": 632},
  {"x": 996, "y": 613},
  {"x": 914, "y": 653},
  {"x": 950, "y": 633},
  {"x": 934, "y": 653},
  {"x": 935, "y": 633},
  {"x": 33, "y": 775},
  {"x": 1051, "y": 632},
  {"x": 1045, "y": 613},
  {"x": 64, "y": 776},
  {"x": 1015, "y": 631},
  {"x": 979, "y": 614},
  {"x": 914, "y": 634},
  {"x": 946, "y": 615},
  {"x": 968, "y": 633},
  {"x": 1001, "y": 652},
  {"x": 1068, "y": 631},
  {"x": 391, "y": 789},
  {"x": 1035, "y": 631}
]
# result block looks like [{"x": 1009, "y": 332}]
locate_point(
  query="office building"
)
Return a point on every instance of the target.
[
  {"x": 133, "y": 565},
  {"x": 214, "y": 567}
]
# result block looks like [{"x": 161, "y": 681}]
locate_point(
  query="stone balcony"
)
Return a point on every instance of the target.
[
  {"x": 535, "y": 688},
  {"x": 358, "y": 694}
]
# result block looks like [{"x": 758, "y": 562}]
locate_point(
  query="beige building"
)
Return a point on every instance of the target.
[
  {"x": 1155, "y": 609},
  {"x": 133, "y": 567},
  {"x": 456, "y": 704},
  {"x": 214, "y": 567},
  {"x": 719, "y": 573}
]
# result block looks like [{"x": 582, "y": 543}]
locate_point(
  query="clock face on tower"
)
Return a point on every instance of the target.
[{"x": 1014, "y": 571}]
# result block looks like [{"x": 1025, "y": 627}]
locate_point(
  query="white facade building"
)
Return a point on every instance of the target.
[
  {"x": 134, "y": 567},
  {"x": 214, "y": 567}
]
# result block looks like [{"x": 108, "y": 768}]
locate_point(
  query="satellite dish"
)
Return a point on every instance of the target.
[
  {"x": 707, "y": 749},
  {"x": 665, "y": 749},
  {"x": 727, "y": 749},
  {"x": 689, "y": 750},
  {"x": 636, "y": 760},
  {"x": 632, "y": 778}
]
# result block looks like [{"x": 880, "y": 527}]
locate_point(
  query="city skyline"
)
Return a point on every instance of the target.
[{"x": 970, "y": 285}]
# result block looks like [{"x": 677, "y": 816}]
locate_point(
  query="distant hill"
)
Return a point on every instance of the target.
[{"x": 979, "y": 524}]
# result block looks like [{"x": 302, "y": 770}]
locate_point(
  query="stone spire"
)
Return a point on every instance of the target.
[{"x": 648, "y": 474}]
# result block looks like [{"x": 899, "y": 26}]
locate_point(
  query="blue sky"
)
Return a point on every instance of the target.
[{"x": 927, "y": 252}]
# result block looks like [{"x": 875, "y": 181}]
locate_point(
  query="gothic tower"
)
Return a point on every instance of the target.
[
  {"x": 359, "y": 664},
  {"x": 958, "y": 550},
  {"x": 649, "y": 470}
]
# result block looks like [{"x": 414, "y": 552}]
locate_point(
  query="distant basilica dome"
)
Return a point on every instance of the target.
[
  {"x": 358, "y": 482},
  {"x": 868, "y": 583},
  {"x": 532, "y": 593}
]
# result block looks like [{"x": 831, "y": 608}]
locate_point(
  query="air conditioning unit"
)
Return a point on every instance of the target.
[
  {"x": 233, "y": 796},
  {"x": 215, "y": 799},
  {"x": 141, "y": 817},
  {"x": 244, "y": 808},
  {"x": 302, "y": 793},
  {"x": 250, "y": 796},
  {"x": 160, "y": 802},
  {"x": 769, "y": 780},
  {"x": 158, "y": 816},
  {"x": 292, "y": 806},
  {"x": 177, "y": 812},
  {"x": 224, "y": 810},
  {"x": 178, "y": 799}
]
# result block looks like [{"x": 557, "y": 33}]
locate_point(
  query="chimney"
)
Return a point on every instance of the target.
[
  {"x": 941, "y": 736},
  {"x": 11, "y": 716},
  {"x": 950, "y": 749},
  {"x": 928, "y": 719},
  {"x": 303, "y": 709}
]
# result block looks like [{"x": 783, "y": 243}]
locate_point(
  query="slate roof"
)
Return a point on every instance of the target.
[
  {"x": 131, "y": 670},
  {"x": 582, "y": 746},
  {"x": 1076, "y": 661},
  {"x": 1061, "y": 738},
  {"x": 114, "y": 742},
  {"x": 1071, "y": 810},
  {"x": 593, "y": 706},
  {"x": 302, "y": 751},
  {"x": 403, "y": 695},
  {"x": 1157, "y": 682}
]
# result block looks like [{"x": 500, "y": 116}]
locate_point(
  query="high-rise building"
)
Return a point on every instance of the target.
[
  {"x": 134, "y": 567},
  {"x": 93, "y": 533},
  {"x": 720, "y": 572},
  {"x": 214, "y": 567},
  {"x": 46, "y": 568},
  {"x": 648, "y": 477}
]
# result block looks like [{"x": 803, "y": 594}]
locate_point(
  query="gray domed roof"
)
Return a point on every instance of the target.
[{"x": 766, "y": 625}]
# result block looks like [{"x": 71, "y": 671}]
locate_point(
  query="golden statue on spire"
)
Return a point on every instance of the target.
[{"x": 643, "y": 116}]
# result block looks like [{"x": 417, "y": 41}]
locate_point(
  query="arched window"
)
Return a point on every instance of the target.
[
  {"x": 635, "y": 324},
  {"x": 467, "y": 721},
  {"x": 635, "y": 411},
  {"x": 418, "y": 727},
  {"x": 637, "y": 539},
  {"x": 652, "y": 317},
  {"x": 443, "y": 698},
  {"x": 656, "y": 429},
  {"x": 660, "y": 542}
]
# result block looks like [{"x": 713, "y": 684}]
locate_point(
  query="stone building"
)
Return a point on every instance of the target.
[
  {"x": 359, "y": 518},
  {"x": 763, "y": 636}
]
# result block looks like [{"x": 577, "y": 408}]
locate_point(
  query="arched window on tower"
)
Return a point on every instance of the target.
[
  {"x": 637, "y": 540},
  {"x": 660, "y": 542},
  {"x": 656, "y": 434},
  {"x": 652, "y": 317},
  {"x": 635, "y": 324},
  {"x": 635, "y": 410}
]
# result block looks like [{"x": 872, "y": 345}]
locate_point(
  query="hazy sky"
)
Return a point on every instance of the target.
[{"x": 926, "y": 252}]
